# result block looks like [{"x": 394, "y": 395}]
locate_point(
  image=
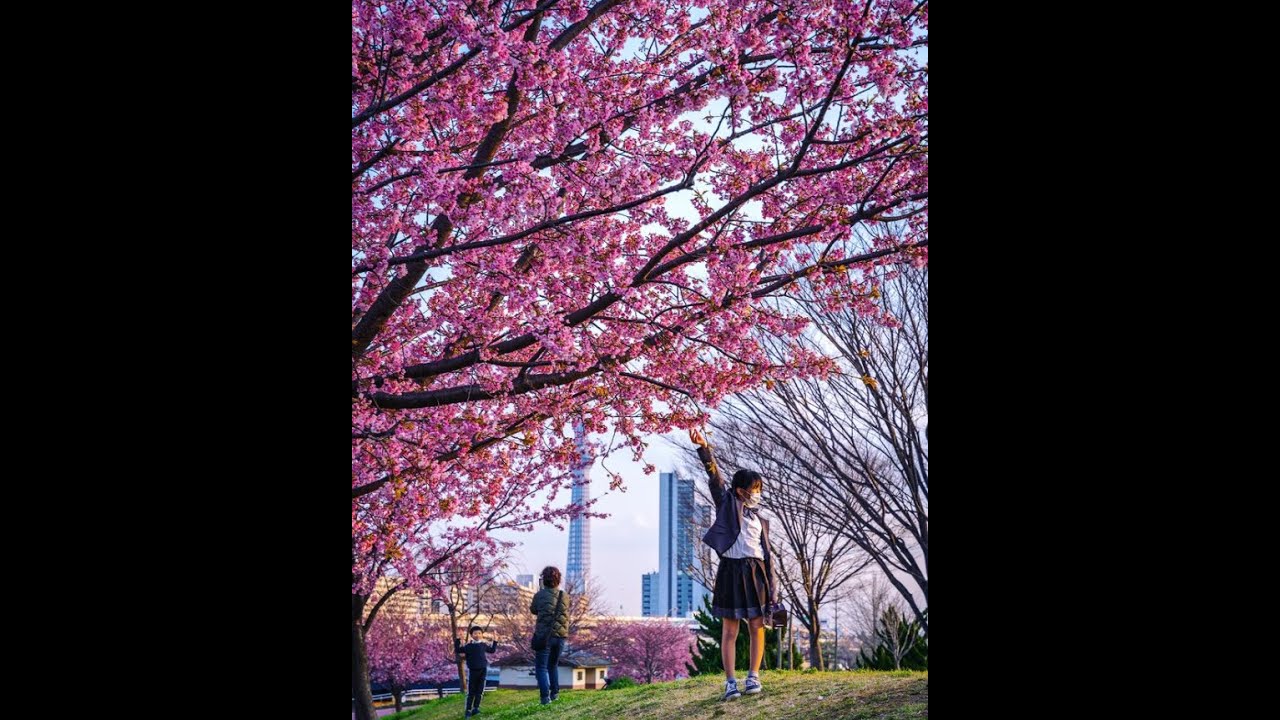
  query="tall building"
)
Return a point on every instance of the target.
[
  {"x": 526, "y": 581},
  {"x": 488, "y": 595},
  {"x": 404, "y": 603},
  {"x": 499, "y": 598},
  {"x": 649, "y": 595},
  {"x": 578, "y": 566},
  {"x": 680, "y": 525}
]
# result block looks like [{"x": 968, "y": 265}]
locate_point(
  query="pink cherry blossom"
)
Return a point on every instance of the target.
[{"x": 589, "y": 211}]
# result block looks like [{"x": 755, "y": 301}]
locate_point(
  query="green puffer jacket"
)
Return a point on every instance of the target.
[{"x": 544, "y": 606}]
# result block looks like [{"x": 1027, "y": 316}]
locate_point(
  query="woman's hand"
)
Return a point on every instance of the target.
[{"x": 696, "y": 436}]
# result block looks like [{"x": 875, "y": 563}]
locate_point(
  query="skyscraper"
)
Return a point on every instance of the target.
[
  {"x": 578, "y": 566},
  {"x": 649, "y": 595},
  {"x": 680, "y": 525}
]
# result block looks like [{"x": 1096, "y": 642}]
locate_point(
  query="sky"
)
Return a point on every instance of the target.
[{"x": 624, "y": 545}]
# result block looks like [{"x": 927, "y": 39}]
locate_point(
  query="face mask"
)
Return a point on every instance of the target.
[{"x": 753, "y": 500}]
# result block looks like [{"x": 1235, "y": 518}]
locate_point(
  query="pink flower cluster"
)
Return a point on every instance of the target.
[{"x": 596, "y": 212}]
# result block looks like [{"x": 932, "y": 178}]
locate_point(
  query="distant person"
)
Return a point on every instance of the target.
[
  {"x": 477, "y": 652},
  {"x": 744, "y": 583},
  {"x": 551, "y": 605}
]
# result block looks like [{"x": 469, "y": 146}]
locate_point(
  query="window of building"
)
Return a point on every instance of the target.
[{"x": 579, "y": 674}]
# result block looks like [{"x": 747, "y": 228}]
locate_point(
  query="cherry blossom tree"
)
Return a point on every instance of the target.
[
  {"x": 566, "y": 211},
  {"x": 405, "y": 649},
  {"x": 649, "y": 651}
]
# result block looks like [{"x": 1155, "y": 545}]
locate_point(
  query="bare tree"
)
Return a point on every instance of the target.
[
  {"x": 815, "y": 563},
  {"x": 514, "y": 622},
  {"x": 870, "y": 600},
  {"x": 855, "y": 441},
  {"x": 812, "y": 562},
  {"x": 586, "y": 603}
]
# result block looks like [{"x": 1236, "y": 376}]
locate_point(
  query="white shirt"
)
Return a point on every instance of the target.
[{"x": 748, "y": 544}]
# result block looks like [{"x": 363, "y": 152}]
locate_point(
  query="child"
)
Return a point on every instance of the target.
[
  {"x": 477, "y": 665},
  {"x": 744, "y": 583}
]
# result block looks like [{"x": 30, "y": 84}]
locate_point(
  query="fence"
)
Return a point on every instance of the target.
[{"x": 422, "y": 694}]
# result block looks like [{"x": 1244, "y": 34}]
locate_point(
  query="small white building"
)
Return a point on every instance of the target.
[{"x": 577, "y": 671}]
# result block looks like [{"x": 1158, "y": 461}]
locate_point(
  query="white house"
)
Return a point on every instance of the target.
[{"x": 577, "y": 671}]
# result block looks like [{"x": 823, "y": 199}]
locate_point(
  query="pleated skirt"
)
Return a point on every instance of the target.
[{"x": 742, "y": 588}]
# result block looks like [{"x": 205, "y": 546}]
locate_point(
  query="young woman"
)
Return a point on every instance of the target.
[
  {"x": 744, "y": 583},
  {"x": 551, "y": 605}
]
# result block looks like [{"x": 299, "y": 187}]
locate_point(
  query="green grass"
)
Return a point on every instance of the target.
[{"x": 787, "y": 696}]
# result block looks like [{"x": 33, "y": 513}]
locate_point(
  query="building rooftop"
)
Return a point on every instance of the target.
[{"x": 573, "y": 660}]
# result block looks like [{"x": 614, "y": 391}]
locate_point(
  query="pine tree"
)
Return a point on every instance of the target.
[
  {"x": 708, "y": 660},
  {"x": 897, "y": 638}
]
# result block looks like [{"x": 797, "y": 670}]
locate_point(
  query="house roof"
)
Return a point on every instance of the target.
[
  {"x": 574, "y": 660},
  {"x": 585, "y": 660}
]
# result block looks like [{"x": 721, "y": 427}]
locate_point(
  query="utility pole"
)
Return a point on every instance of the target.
[
  {"x": 836, "y": 602},
  {"x": 778, "y": 630},
  {"x": 791, "y": 638}
]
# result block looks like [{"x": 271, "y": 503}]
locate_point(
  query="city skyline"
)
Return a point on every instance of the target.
[{"x": 625, "y": 544}]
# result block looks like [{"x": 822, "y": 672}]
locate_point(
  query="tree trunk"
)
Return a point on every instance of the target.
[
  {"x": 360, "y": 689},
  {"x": 815, "y": 636},
  {"x": 462, "y": 664},
  {"x": 397, "y": 693}
]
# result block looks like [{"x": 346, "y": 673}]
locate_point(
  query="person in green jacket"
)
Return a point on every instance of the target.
[{"x": 551, "y": 605}]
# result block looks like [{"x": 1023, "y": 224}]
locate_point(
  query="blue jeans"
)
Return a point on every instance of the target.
[{"x": 546, "y": 666}]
